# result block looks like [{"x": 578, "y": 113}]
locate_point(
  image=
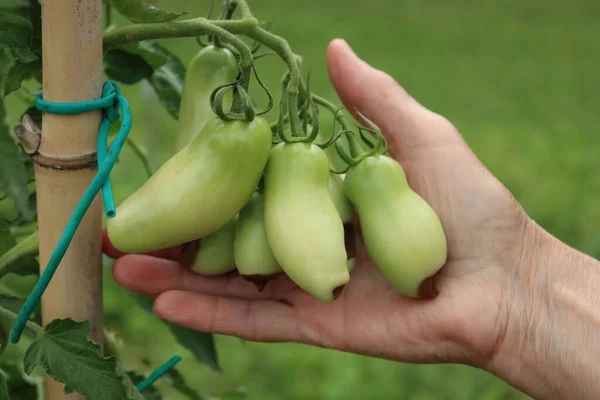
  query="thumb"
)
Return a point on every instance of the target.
[{"x": 405, "y": 123}]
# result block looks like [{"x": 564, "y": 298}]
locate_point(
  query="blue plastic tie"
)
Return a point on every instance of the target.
[
  {"x": 160, "y": 371},
  {"x": 111, "y": 101}
]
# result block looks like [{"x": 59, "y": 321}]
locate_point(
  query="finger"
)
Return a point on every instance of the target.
[
  {"x": 184, "y": 253},
  {"x": 254, "y": 320},
  {"x": 405, "y": 123},
  {"x": 152, "y": 276}
]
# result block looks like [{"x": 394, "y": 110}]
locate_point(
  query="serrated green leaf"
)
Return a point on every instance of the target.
[
  {"x": 201, "y": 344},
  {"x": 140, "y": 11},
  {"x": 167, "y": 82},
  {"x": 20, "y": 72},
  {"x": 3, "y": 388},
  {"x": 150, "y": 393},
  {"x": 69, "y": 357},
  {"x": 126, "y": 68},
  {"x": 177, "y": 381},
  {"x": 149, "y": 51},
  {"x": 26, "y": 55},
  {"x": 13, "y": 175},
  {"x": 15, "y": 31}
]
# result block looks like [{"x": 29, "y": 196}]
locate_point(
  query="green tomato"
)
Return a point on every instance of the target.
[
  {"x": 302, "y": 224},
  {"x": 212, "y": 67},
  {"x": 197, "y": 191},
  {"x": 402, "y": 233},
  {"x": 341, "y": 201},
  {"x": 253, "y": 255},
  {"x": 215, "y": 254}
]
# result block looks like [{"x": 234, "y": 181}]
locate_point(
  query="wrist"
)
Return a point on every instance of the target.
[{"x": 550, "y": 345}]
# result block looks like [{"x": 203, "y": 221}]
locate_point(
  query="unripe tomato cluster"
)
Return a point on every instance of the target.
[{"x": 267, "y": 209}]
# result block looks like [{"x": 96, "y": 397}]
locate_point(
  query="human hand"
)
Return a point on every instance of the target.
[{"x": 485, "y": 227}]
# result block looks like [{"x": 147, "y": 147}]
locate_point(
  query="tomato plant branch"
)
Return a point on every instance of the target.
[
  {"x": 282, "y": 48},
  {"x": 25, "y": 247},
  {"x": 141, "y": 154},
  {"x": 38, "y": 330},
  {"x": 333, "y": 109},
  {"x": 225, "y": 30}
]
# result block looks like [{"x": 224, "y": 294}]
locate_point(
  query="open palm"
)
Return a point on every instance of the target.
[{"x": 484, "y": 225}]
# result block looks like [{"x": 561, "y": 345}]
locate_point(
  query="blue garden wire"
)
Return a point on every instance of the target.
[
  {"x": 160, "y": 371},
  {"x": 111, "y": 102}
]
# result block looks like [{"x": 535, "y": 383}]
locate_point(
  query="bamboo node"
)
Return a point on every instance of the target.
[{"x": 74, "y": 163}]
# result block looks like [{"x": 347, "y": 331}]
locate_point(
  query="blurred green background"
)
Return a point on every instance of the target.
[{"x": 518, "y": 78}]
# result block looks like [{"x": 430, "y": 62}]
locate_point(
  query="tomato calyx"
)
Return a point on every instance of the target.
[
  {"x": 356, "y": 154},
  {"x": 242, "y": 107}
]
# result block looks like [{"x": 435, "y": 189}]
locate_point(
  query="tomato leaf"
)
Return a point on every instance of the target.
[
  {"x": 167, "y": 82},
  {"x": 20, "y": 72},
  {"x": 149, "y": 51},
  {"x": 126, "y": 67},
  {"x": 150, "y": 393},
  {"x": 13, "y": 173},
  {"x": 11, "y": 303},
  {"x": 69, "y": 357},
  {"x": 176, "y": 379},
  {"x": 201, "y": 344},
  {"x": 20, "y": 32},
  {"x": 16, "y": 32},
  {"x": 140, "y": 11}
]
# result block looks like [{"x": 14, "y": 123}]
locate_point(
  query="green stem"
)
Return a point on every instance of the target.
[
  {"x": 282, "y": 48},
  {"x": 25, "y": 247},
  {"x": 226, "y": 30},
  {"x": 332, "y": 108},
  {"x": 141, "y": 154},
  {"x": 176, "y": 29},
  {"x": 38, "y": 330}
]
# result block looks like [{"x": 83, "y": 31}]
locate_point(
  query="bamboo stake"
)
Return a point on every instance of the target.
[{"x": 72, "y": 69}]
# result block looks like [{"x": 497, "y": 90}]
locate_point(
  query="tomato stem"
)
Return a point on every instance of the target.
[
  {"x": 38, "y": 330},
  {"x": 226, "y": 30}
]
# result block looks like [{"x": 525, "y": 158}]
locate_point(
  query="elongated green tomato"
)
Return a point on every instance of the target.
[
  {"x": 345, "y": 210},
  {"x": 211, "y": 67},
  {"x": 196, "y": 191},
  {"x": 341, "y": 201},
  {"x": 402, "y": 233},
  {"x": 215, "y": 253},
  {"x": 302, "y": 224},
  {"x": 253, "y": 255}
]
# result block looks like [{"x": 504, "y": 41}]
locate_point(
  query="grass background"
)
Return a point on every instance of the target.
[{"x": 519, "y": 80}]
